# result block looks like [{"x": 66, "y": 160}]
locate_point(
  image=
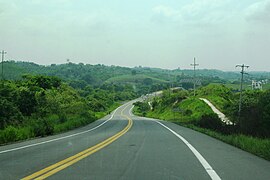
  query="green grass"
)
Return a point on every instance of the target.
[
  {"x": 34, "y": 127},
  {"x": 136, "y": 111},
  {"x": 11, "y": 134},
  {"x": 218, "y": 94},
  {"x": 188, "y": 110},
  {"x": 195, "y": 109},
  {"x": 257, "y": 146},
  {"x": 266, "y": 86},
  {"x": 217, "y": 101},
  {"x": 71, "y": 123},
  {"x": 104, "y": 113}
]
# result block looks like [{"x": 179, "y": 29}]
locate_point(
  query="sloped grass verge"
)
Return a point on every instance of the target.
[
  {"x": 49, "y": 125},
  {"x": 256, "y": 146}
]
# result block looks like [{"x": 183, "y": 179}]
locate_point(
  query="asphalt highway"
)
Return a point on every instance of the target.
[{"x": 124, "y": 146}]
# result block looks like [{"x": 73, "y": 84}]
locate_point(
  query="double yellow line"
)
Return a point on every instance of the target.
[{"x": 50, "y": 170}]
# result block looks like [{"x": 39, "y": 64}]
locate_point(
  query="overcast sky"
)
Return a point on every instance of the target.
[{"x": 155, "y": 33}]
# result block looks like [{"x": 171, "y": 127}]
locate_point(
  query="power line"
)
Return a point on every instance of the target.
[
  {"x": 3, "y": 54},
  {"x": 241, "y": 86},
  {"x": 194, "y": 75}
]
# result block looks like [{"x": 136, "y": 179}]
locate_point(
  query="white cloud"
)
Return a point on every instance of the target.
[
  {"x": 206, "y": 11},
  {"x": 8, "y": 8},
  {"x": 1, "y": 9},
  {"x": 165, "y": 14},
  {"x": 259, "y": 12},
  {"x": 197, "y": 12},
  {"x": 106, "y": 31},
  {"x": 199, "y": 6},
  {"x": 166, "y": 11},
  {"x": 50, "y": 1},
  {"x": 79, "y": 24}
]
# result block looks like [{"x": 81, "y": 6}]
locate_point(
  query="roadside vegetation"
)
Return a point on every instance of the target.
[
  {"x": 254, "y": 145},
  {"x": 250, "y": 132},
  {"x": 56, "y": 98},
  {"x": 38, "y": 100},
  {"x": 43, "y": 105}
]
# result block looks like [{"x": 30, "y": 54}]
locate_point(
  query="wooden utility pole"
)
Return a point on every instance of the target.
[
  {"x": 194, "y": 75},
  {"x": 241, "y": 87},
  {"x": 3, "y": 56}
]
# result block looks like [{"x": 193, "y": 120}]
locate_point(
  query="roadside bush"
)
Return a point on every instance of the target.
[
  {"x": 9, "y": 114},
  {"x": 42, "y": 127},
  {"x": 187, "y": 112},
  {"x": 143, "y": 107},
  {"x": 210, "y": 121},
  {"x": 43, "y": 105},
  {"x": 9, "y": 134},
  {"x": 62, "y": 118},
  {"x": 24, "y": 133}
]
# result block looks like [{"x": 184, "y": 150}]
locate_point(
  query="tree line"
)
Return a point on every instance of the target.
[{"x": 39, "y": 105}]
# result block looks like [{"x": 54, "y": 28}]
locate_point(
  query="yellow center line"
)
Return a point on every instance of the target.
[{"x": 50, "y": 170}]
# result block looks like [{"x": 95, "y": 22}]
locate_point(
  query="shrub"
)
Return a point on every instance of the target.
[
  {"x": 62, "y": 118},
  {"x": 43, "y": 127},
  {"x": 210, "y": 121},
  {"x": 8, "y": 135}
]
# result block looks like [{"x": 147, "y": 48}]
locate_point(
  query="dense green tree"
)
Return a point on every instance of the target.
[
  {"x": 133, "y": 72},
  {"x": 147, "y": 81},
  {"x": 26, "y": 100},
  {"x": 264, "y": 106},
  {"x": 9, "y": 113}
]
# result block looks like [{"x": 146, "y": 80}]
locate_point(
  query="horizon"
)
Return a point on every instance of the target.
[
  {"x": 108, "y": 65},
  {"x": 165, "y": 34}
]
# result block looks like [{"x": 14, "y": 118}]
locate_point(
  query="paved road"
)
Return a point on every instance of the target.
[{"x": 124, "y": 146}]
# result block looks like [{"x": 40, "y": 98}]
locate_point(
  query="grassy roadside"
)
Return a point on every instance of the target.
[
  {"x": 100, "y": 115},
  {"x": 198, "y": 116},
  {"x": 256, "y": 146},
  {"x": 28, "y": 131}
]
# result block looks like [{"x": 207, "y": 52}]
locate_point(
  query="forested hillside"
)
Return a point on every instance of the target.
[
  {"x": 38, "y": 100},
  {"x": 141, "y": 78},
  {"x": 43, "y": 105}
]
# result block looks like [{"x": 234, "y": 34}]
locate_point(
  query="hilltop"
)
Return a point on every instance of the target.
[{"x": 80, "y": 75}]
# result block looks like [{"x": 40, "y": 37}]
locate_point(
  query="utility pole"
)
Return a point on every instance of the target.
[
  {"x": 241, "y": 87},
  {"x": 170, "y": 83},
  {"x": 3, "y": 54},
  {"x": 194, "y": 75}
]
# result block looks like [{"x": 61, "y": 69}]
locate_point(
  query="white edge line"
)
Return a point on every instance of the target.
[
  {"x": 130, "y": 113},
  {"x": 211, "y": 172},
  {"x": 64, "y": 137}
]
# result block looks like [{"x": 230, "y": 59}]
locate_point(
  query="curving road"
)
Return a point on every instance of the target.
[{"x": 124, "y": 146}]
